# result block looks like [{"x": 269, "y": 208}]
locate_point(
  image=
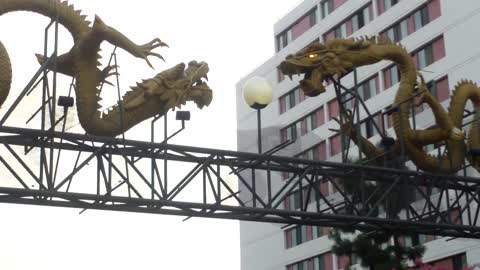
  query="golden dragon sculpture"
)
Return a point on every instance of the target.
[
  {"x": 151, "y": 97},
  {"x": 320, "y": 61}
]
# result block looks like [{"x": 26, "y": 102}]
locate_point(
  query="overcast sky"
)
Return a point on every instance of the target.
[{"x": 234, "y": 37}]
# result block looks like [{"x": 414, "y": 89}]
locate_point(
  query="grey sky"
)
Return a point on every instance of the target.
[{"x": 233, "y": 37}]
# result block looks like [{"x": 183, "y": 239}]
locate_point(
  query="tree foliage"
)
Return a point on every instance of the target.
[{"x": 375, "y": 249}]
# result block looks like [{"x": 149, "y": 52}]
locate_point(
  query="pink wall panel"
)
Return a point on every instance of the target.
[
  {"x": 443, "y": 91},
  {"x": 335, "y": 145},
  {"x": 343, "y": 261},
  {"x": 380, "y": 6},
  {"x": 329, "y": 36},
  {"x": 377, "y": 84},
  {"x": 324, "y": 188},
  {"x": 288, "y": 236},
  {"x": 328, "y": 258},
  {"x": 337, "y": 3},
  {"x": 310, "y": 265},
  {"x": 445, "y": 264},
  {"x": 438, "y": 49},
  {"x": 283, "y": 104},
  {"x": 320, "y": 116},
  {"x": 387, "y": 79},
  {"x": 304, "y": 127},
  {"x": 301, "y": 27},
  {"x": 309, "y": 233},
  {"x": 322, "y": 151},
  {"x": 434, "y": 9},
  {"x": 410, "y": 24},
  {"x": 333, "y": 109},
  {"x": 286, "y": 203}
]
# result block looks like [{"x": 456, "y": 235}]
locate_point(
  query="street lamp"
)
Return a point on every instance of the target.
[{"x": 258, "y": 93}]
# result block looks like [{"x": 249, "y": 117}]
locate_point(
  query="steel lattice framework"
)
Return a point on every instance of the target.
[
  {"x": 49, "y": 166},
  {"x": 142, "y": 193}
]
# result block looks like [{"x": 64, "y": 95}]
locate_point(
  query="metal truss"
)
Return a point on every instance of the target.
[
  {"x": 52, "y": 167},
  {"x": 127, "y": 178}
]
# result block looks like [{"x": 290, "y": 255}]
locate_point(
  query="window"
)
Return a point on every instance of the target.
[
  {"x": 348, "y": 100},
  {"x": 439, "y": 89},
  {"x": 306, "y": 195},
  {"x": 319, "y": 262},
  {"x": 351, "y": 25},
  {"x": 313, "y": 120},
  {"x": 344, "y": 261},
  {"x": 365, "y": 90},
  {"x": 297, "y": 29},
  {"x": 290, "y": 132},
  {"x": 415, "y": 240},
  {"x": 423, "y": 57},
  {"x": 397, "y": 32},
  {"x": 301, "y": 234},
  {"x": 384, "y": 5},
  {"x": 291, "y": 99},
  {"x": 368, "y": 88},
  {"x": 413, "y": 22},
  {"x": 304, "y": 24},
  {"x": 317, "y": 152},
  {"x": 293, "y": 201},
  {"x": 302, "y": 126},
  {"x": 367, "y": 126},
  {"x": 328, "y": 6},
  {"x": 459, "y": 261},
  {"x": 456, "y": 262},
  {"x": 391, "y": 76},
  {"x": 429, "y": 53},
  {"x": 283, "y": 39}
]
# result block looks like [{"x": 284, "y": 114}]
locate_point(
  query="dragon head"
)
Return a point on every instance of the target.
[
  {"x": 318, "y": 62},
  {"x": 174, "y": 87}
]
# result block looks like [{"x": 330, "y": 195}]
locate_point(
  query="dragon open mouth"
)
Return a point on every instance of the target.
[
  {"x": 313, "y": 80},
  {"x": 199, "y": 92},
  {"x": 174, "y": 86}
]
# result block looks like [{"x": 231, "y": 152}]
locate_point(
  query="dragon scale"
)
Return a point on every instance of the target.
[
  {"x": 155, "y": 96},
  {"x": 320, "y": 61}
]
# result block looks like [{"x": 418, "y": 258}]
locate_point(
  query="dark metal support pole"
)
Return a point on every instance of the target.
[
  {"x": 165, "y": 160},
  {"x": 259, "y": 128}
]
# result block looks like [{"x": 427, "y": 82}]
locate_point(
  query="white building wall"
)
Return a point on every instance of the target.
[{"x": 262, "y": 245}]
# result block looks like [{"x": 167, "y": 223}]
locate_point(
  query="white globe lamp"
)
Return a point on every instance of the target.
[{"x": 258, "y": 93}]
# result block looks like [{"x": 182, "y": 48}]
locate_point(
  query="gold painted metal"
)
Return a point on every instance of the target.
[
  {"x": 169, "y": 89},
  {"x": 319, "y": 61}
]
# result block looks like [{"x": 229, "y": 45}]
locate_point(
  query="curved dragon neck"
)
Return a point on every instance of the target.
[
  {"x": 66, "y": 14},
  {"x": 408, "y": 73},
  {"x": 403, "y": 99},
  {"x": 408, "y": 77},
  {"x": 116, "y": 120}
]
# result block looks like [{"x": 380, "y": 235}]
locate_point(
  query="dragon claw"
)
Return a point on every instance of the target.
[
  {"x": 346, "y": 127},
  {"x": 107, "y": 72},
  {"x": 146, "y": 50}
]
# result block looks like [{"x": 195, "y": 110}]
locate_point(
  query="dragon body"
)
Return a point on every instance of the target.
[
  {"x": 320, "y": 61},
  {"x": 151, "y": 97}
]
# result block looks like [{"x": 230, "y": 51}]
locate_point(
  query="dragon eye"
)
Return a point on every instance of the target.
[{"x": 312, "y": 55}]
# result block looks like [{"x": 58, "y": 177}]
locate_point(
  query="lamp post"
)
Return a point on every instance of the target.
[{"x": 258, "y": 93}]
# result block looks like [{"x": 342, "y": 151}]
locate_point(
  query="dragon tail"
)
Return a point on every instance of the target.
[{"x": 66, "y": 15}]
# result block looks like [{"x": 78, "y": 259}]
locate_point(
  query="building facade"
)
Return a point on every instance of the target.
[{"x": 442, "y": 37}]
